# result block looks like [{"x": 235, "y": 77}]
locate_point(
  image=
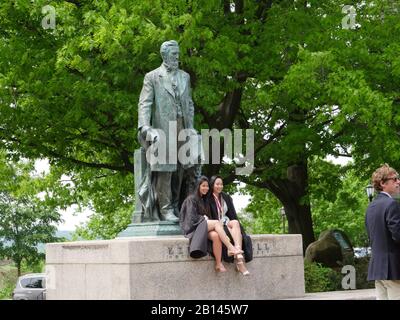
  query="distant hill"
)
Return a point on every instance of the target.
[
  {"x": 64, "y": 234},
  {"x": 59, "y": 234}
]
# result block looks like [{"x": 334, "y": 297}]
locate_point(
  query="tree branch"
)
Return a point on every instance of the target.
[
  {"x": 57, "y": 155},
  {"x": 87, "y": 164},
  {"x": 270, "y": 139},
  {"x": 229, "y": 108},
  {"x": 262, "y": 9},
  {"x": 243, "y": 122},
  {"x": 227, "y": 7}
]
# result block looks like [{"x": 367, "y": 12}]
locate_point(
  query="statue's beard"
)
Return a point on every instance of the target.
[{"x": 172, "y": 63}]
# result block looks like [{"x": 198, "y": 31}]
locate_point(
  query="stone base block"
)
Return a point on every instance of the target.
[
  {"x": 161, "y": 228},
  {"x": 160, "y": 268}
]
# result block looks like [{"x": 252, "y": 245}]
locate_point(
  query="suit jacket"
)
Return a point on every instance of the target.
[
  {"x": 383, "y": 226},
  {"x": 157, "y": 105}
]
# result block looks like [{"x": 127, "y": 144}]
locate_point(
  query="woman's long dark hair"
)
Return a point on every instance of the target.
[{"x": 204, "y": 208}]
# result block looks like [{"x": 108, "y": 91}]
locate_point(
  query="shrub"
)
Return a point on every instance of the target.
[
  {"x": 361, "y": 265},
  {"x": 37, "y": 267},
  {"x": 7, "y": 289},
  {"x": 320, "y": 279},
  {"x": 8, "y": 280}
]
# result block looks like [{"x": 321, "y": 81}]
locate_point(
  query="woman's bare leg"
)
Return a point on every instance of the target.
[
  {"x": 217, "y": 250},
  {"x": 234, "y": 229},
  {"x": 215, "y": 225}
]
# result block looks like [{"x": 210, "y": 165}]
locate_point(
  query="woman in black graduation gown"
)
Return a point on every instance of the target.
[
  {"x": 222, "y": 209},
  {"x": 197, "y": 225}
]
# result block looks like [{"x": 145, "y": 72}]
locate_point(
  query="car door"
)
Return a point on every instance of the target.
[{"x": 35, "y": 288}]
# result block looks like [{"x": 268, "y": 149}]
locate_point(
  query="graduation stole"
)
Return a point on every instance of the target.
[{"x": 219, "y": 206}]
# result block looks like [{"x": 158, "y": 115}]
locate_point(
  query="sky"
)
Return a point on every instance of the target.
[{"x": 71, "y": 218}]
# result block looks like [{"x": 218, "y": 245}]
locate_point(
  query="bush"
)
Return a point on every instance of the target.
[
  {"x": 361, "y": 265},
  {"x": 320, "y": 279},
  {"x": 8, "y": 279},
  {"x": 37, "y": 267},
  {"x": 7, "y": 289}
]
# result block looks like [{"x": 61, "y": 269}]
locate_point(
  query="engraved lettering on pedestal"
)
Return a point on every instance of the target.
[
  {"x": 177, "y": 252},
  {"x": 261, "y": 249},
  {"x": 86, "y": 247}
]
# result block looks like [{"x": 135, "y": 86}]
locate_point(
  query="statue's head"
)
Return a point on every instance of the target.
[{"x": 170, "y": 53}]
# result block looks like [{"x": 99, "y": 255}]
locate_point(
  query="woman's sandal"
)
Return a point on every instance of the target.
[{"x": 240, "y": 261}]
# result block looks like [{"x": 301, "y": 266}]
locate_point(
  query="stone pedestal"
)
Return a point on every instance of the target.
[{"x": 160, "y": 268}]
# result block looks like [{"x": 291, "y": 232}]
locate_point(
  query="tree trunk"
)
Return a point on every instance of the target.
[
  {"x": 300, "y": 222},
  {"x": 18, "y": 263},
  {"x": 292, "y": 192}
]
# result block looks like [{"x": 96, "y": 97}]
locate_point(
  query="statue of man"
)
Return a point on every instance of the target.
[{"x": 165, "y": 97}]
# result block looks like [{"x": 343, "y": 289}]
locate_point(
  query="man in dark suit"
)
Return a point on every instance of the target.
[
  {"x": 166, "y": 99},
  {"x": 383, "y": 226}
]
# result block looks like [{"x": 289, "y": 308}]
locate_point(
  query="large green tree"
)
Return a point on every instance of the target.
[
  {"x": 287, "y": 69},
  {"x": 337, "y": 198},
  {"x": 26, "y": 217}
]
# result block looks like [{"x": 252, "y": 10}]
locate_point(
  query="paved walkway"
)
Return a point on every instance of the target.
[{"x": 364, "y": 294}]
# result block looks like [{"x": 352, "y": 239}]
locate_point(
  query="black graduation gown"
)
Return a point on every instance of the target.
[{"x": 194, "y": 227}]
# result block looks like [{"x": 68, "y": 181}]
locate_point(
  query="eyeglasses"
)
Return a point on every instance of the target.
[{"x": 395, "y": 179}]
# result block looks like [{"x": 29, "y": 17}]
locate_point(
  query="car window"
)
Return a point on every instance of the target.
[
  {"x": 32, "y": 283},
  {"x": 35, "y": 283},
  {"x": 25, "y": 282}
]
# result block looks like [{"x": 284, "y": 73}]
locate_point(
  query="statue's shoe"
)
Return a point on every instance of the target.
[{"x": 170, "y": 217}]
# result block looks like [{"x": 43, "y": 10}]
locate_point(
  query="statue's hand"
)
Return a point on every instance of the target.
[
  {"x": 152, "y": 136},
  {"x": 149, "y": 134}
]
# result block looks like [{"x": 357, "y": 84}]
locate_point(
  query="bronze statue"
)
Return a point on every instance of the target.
[{"x": 165, "y": 98}]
